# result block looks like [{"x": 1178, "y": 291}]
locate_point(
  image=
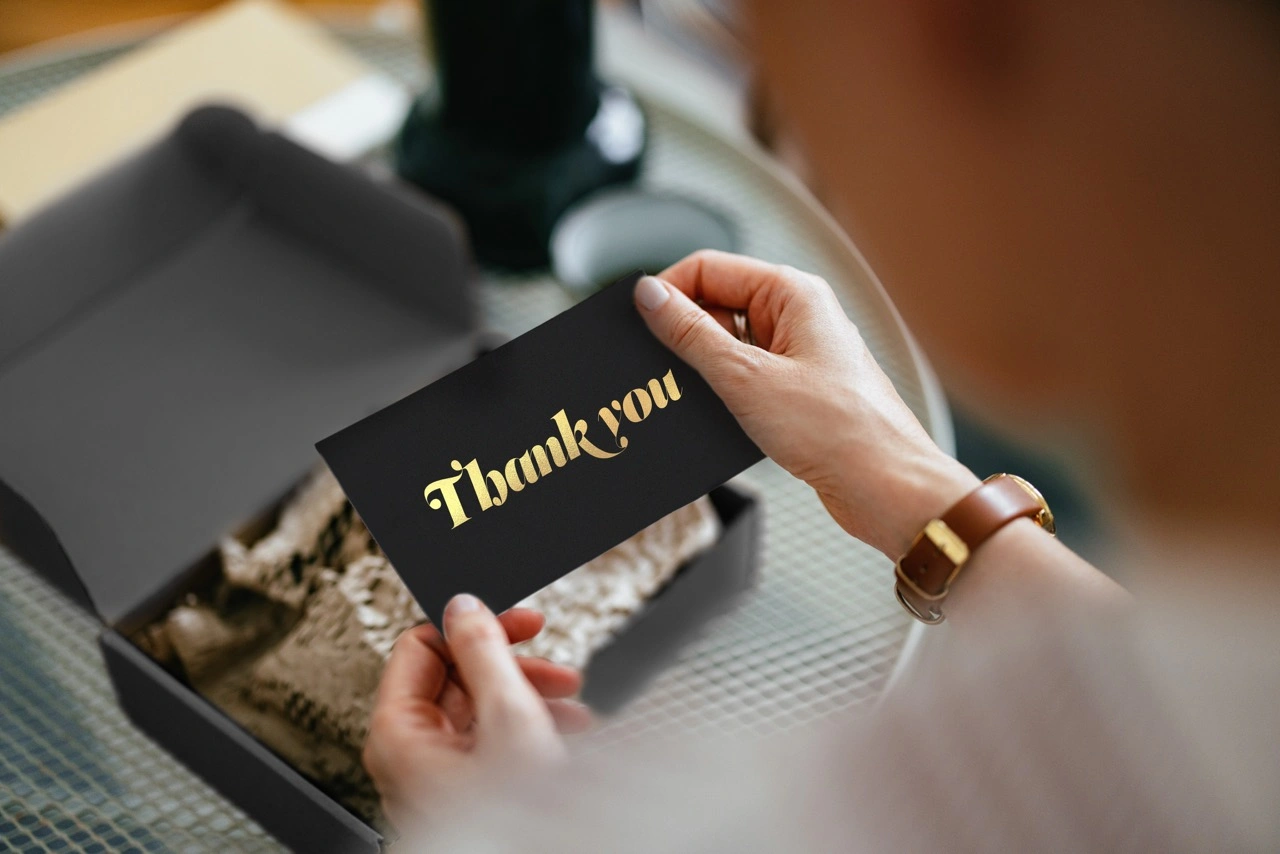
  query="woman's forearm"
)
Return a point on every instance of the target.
[
  {"x": 1020, "y": 571},
  {"x": 810, "y": 394},
  {"x": 1023, "y": 572}
]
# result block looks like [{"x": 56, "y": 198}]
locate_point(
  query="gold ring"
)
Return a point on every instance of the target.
[{"x": 742, "y": 328}]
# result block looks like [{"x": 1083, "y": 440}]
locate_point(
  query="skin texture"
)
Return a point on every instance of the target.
[
  {"x": 810, "y": 395},
  {"x": 815, "y": 401},
  {"x": 450, "y": 716},
  {"x": 1075, "y": 206}
]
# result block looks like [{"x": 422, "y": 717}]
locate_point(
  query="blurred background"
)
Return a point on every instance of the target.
[
  {"x": 709, "y": 32},
  {"x": 653, "y": 138}
]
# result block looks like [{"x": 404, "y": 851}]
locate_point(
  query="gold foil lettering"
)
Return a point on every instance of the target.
[
  {"x": 499, "y": 483},
  {"x": 655, "y": 391},
  {"x": 477, "y": 482},
  {"x": 513, "y": 476},
  {"x": 611, "y": 421},
  {"x": 526, "y": 465},
  {"x": 557, "y": 453},
  {"x": 494, "y": 487},
  {"x": 637, "y": 405},
  {"x": 580, "y": 434},
  {"x": 540, "y": 457},
  {"x": 446, "y": 488},
  {"x": 566, "y": 434},
  {"x": 673, "y": 391}
]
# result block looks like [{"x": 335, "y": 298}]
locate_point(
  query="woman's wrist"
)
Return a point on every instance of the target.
[
  {"x": 927, "y": 492},
  {"x": 892, "y": 507}
]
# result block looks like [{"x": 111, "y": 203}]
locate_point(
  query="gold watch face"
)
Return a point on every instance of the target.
[{"x": 1045, "y": 517}]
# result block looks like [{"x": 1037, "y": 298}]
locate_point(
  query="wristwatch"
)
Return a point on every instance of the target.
[{"x": 925, "y": 573}]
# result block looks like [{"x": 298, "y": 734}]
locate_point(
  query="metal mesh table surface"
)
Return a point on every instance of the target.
[{"x": 820, "y": 633}]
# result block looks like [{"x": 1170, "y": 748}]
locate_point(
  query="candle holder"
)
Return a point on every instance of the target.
[{"x": 518, "y": 126}]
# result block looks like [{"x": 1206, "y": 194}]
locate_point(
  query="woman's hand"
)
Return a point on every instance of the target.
[
  {"x": 810, "y": 395},
  {"x": 450, "y": 715}
]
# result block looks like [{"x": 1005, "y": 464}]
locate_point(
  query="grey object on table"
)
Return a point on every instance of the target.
[
  {"x": 612, "y": 232},
  {"x": 820, "y": 635},
  {"x": 230, "y": 298},
  {"x": 223, "y": 284}
]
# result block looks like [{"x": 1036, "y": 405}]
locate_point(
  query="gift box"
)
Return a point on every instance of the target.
[{"x": 174, "y": 337}]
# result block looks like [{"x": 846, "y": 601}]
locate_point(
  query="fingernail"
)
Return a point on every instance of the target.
[
  {"x": 463, "y": 603},
  {"x": 651, "y": 293}
]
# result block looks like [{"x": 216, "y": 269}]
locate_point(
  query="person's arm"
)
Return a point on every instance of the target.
[
  {"x": 452, "y": 717},
  {"x": 814, "y": 399}
]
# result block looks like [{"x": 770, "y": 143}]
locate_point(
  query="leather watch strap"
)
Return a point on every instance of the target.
[{"x": 940, "y": 551}]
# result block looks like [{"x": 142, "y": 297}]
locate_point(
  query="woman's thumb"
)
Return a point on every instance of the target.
[{"x": 684, "y": 326}]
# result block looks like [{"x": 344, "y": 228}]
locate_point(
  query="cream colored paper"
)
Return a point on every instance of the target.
[{"x": 258, "y": 55}]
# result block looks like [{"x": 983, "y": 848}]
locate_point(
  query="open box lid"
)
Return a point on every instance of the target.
[{"x": 176, "y": 335}]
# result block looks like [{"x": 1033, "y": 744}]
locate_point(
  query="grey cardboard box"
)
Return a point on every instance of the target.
[{"x": 174, "y": 337}]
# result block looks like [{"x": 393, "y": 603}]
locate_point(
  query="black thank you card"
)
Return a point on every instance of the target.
[{"x": 537, "y": 457}]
